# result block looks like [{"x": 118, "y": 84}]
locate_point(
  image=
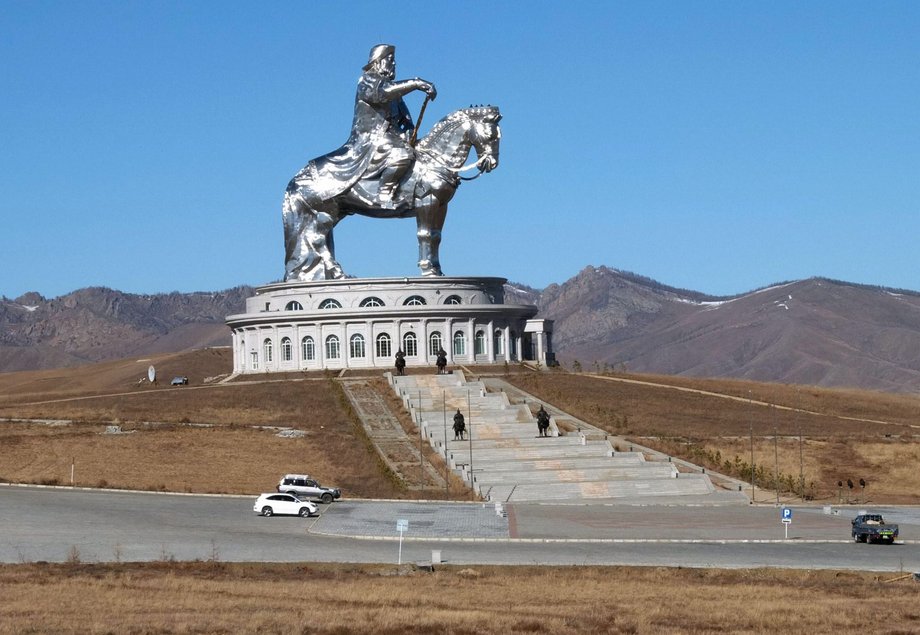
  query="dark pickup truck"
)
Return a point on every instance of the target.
[{"x": 872, "y": 528}]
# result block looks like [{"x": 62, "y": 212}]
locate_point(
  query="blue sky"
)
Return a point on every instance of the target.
[{"x": 715, "y": 146}]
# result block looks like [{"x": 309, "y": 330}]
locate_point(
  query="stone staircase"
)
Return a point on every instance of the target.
[{"x": 503, "y": 459}]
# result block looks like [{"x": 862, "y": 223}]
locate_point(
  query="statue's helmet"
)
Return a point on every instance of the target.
[{"x": 378, "y": 53}]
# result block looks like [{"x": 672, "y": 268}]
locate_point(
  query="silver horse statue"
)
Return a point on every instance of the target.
[{"x": 382, "y": 172}]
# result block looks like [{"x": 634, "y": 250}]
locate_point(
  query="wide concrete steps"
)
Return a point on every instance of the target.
[
  {"x": 576, "y": 475},
  {"x": 511, "y": 462},
  {"x": 531, "y": 453},
  {"x": 686, "y": 485},
  {"x": 492, "y": 440},
  {"x": 481, "y": 418},
  {"x": 524, "y": 465}
]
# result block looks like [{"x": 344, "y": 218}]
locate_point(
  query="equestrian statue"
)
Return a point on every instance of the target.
[{"x": 385, "y": 171}]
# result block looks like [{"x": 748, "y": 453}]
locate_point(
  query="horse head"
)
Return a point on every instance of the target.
[
  {"x": 485, "y": 134},
  {"x": 451, "y": 139}
]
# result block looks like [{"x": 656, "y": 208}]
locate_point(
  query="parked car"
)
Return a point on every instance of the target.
[
  {"x": 873, "y": 528},
  {"x": 182, "y": 380},
  {"x": 305, "y": 487},
  {"x": 285, "y": 504}
]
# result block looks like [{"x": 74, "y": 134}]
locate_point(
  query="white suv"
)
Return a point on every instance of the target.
[
  {"x": 270, "y": 504},
  {"x": 305, "y": 487}
]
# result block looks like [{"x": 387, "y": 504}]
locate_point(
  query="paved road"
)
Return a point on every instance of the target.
[{"x": 49, "y": 523}]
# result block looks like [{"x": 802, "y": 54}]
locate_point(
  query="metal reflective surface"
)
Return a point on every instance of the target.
[{"x": 380, "y": 171}]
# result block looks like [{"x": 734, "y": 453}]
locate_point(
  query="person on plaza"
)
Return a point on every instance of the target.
[
  {"x": 442, "y": 362},
  {"x": 400, "y": 363}
]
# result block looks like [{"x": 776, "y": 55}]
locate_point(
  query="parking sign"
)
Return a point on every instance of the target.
[{"x": 787, "y": 515}]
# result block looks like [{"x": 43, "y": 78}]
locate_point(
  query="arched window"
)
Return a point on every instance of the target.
[
  {"x": 498, "y": 342},
  {"x": 267, "y": 350},
  {"x": 329, "y": 303},
  {"x": 287, "y": 351},
  {"x": 434, "y": 343},
  {"x": 293, "y": 305},
  {"x": 356, "y": 347},
  {"x": 332, "y": 347},
  {"x": 415, "y": 300},
  {"x": 372, "y": 301},
  {"x": 459, "y": 343},
  {"x": 452, "y": 299},
  {"x": 410, "y": 345},
  {"x": 308, "y": 349},
  {"x": 480, "y": 345},
  {"x": 384, "y": 345}
]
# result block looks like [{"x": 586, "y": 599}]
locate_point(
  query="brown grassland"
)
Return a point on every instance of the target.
[
  {"x": 210, "y": 597},
  {"x": 844, "y": 434}
]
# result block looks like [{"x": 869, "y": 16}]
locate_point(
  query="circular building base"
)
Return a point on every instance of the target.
[{"x": 363, "y": 322}]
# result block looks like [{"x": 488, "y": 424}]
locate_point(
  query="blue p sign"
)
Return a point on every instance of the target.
[{"x": 787, "y": 514}]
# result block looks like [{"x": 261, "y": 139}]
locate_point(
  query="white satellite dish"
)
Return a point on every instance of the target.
[{"x": 151, "y": 374}]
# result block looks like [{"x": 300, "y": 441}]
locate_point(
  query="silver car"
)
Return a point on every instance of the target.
[
  {"x": 271, "y": 504},
  {"x": 305, "y": 487}
]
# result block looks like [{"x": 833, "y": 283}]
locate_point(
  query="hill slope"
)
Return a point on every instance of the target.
[
  {"x": 815, "y": 331},
  {"x": 97, "y": 324}
]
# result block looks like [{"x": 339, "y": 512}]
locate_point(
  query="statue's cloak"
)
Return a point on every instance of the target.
[{"x": 376, "y": 125}]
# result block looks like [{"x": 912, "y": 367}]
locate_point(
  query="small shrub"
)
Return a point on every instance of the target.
[{"x": 73, "y": 555}]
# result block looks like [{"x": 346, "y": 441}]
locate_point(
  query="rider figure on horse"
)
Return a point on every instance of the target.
[
  {"x": 378, "y": 173},
  {"x": 379, "y": 145}
]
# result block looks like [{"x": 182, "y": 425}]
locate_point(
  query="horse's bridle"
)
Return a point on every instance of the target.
[{"x": 456, "y": 172}]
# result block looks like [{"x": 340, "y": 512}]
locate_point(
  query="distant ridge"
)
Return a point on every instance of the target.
[
  {"x": 97, "y": 324},
  {"x": 815, "y": 332}
]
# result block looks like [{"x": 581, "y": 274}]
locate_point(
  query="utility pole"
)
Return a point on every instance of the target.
[
  {"x": 776, "y": 462},
  {"x": 801, "y": 467},
  {"x": 775, "y": 450},
  {"x": 751, "y": 415},
  {"x": 421, "y": 461},
  {"x": 446, "y": 459},
  {"x": 469, "y": 418}
]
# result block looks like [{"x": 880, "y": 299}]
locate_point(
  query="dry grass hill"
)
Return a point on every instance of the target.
[
  {"x": 213, "y": 437},
  {"x": 805, "y": 439}
]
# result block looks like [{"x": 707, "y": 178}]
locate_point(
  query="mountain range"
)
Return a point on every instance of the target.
[{"x": 813, "y": 332}]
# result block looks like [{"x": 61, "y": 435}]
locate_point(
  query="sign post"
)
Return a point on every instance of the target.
[
  {"x": 787, "y": 520},
  {"x": 402, "y": 525}
]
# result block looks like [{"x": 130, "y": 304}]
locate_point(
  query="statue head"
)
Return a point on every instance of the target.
[{"x": 382, "y": 60}]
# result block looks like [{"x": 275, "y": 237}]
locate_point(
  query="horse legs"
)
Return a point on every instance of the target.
[
  {"x": 430, "y": 221},
  {"x": 309, "y": 250}
]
